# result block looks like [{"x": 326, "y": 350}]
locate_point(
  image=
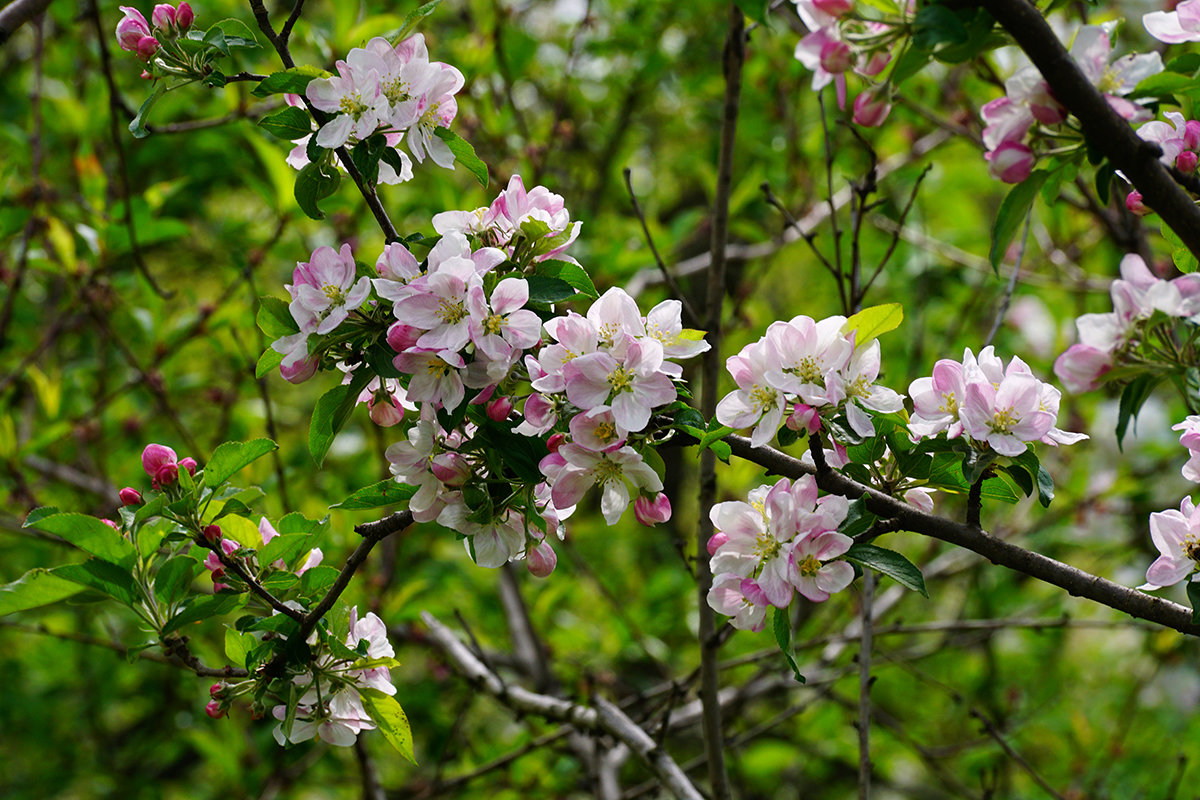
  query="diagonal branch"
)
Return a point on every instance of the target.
[
  {"x": 1107, "y": 130},
  {"x": 601, "y": 717},
  {"x": 1074, "y": 581}
]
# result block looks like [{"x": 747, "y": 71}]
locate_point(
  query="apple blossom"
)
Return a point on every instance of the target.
[
  {"x": 652, "y": 510},
  {"x": 1176, "y": 534},
  {"x": 324, "y": 291},
  {"x": 614, "y": 471},
  {"x": 1190, "y": 438},
  {"x": 727, "y": 596},
  {"x": 130, "y": 497},
  {"x": 1173, "y": 27},
  {"x": 541, "y": 560},
  {"x": 161, "y": 464},
  {"x": 132, "y": 29},
  {"x": 813, "y": 572}
]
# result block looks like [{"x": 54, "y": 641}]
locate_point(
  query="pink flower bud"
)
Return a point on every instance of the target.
[
  {"x": 555, "y": 442},
  {"x": 300, "y": 371},
  {"x": 130, "y": 496},
  {"x": 1081, "y": 367},
  {"x": 870, "y": 110},
  {"x": 499, "y": 409},
  {"x": 541, "y": 560},
  {"x": 1010, "y": 162},
  {"x": 384, "y": 411},
  {"x": 400, "y": 337},
  {"x": 184, "y": 17},
  {"x": 870, "y": 67},
  {"x": 1185, "y": 162},
  {"x": 111, "y": 524},
  {"x": 212, "y": 533},
  {"x": 214, "y": 710},
  {"x": 804, "y": 418},
  {"x": 836, "y": 56},
  {"x": 216, "y": 690},
  {"x": 131, "y": 29},
  {"x": 651, "y": 511},
  {"x": 189, "y": 464},
  {"x": 450, "y": 468},
  {"x": 163, "y": 17},
  {"x": 921, "y": 498},
  {"x": 834, "y": 8},
  {"x": 160, "y": 464},
  {"x": 147, "y": 46},
  {"x": 1133, "y": 202},
  {"x": 1191, "y": 134},
  {"x": 715, "y": 541}
]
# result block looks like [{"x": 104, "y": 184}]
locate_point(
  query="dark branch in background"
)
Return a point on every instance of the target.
[
  {"x": 990, "y": 728},
  {"x": 17, "y": 13},
  {"x": 601, "y": 717},
  {"x": 693, "y": 319},
  {"x": 714, "y": 737},
  {"x": 1074, "y": 581},
  {"x": 280, "y": 43},
  {"x": 1107, "y": 131}
]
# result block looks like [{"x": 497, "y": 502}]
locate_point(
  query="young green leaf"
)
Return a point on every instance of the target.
[
  {"x": 782, "y": 627},
  {"x": 289, "y": 81},
  {"x": 231, "y": 457},
  {"x": 90, "y": 535},
  {"x": 38, "y": 587},
  {"x": 1013, "y": 210},
  {"x": 316, "y": 181},
  {"x": 385, "y": 493},
  {"x": 871, "y": 323},
  {"x": 138, "y": 126},
  {"x": 464, "y": 154},
  {"x": 289, "y": 124},
  {"x": 890, "y": 563},
  {"x": 391, "y": 720}
]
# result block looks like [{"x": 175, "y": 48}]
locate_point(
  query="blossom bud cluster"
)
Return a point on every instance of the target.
[
  {"x": 1003, "y": 407},
  {"x": 391, "y": 90},
  {"x": 1029, "y": 101},
  {"x": 162, "y": 465},
  {"x": 782, "y": 541},
  {"x": 488, "y": 377},
  {"x": 838, "y": 42},
  {"x": 1110, "y": 339},
  {"x": 134, "y": 34},
  {"x": 216, "y": 567},
  {"x": 330, "y": 706},
  {"x": 811, "y": 367}
]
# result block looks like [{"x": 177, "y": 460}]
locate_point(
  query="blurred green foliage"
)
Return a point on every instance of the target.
[{"x": 95, "y": 363}]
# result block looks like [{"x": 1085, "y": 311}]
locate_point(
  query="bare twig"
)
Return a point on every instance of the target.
[
  {"x": 992, "y": 731},
  {"x": 17, "y": 13},
  {"x": 602, "y": 716},
  {"x": 692, "y": 317},
  {"x": 1012, "y": 282}
]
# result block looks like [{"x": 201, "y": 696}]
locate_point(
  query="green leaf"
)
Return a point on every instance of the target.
[
  {"x": 268, "y": 362},
  {"x": 911, "y": 61},
  {"x": 242, "y": 531},
  {"x": 274, "y": 318},
  {"x": 138, "y": 126},
  {"x": 104, "y": 577},
  {"x": 385, "y": 493},
  {"x": 150, "y": 508},
  {"x": 1193, "y": 593},
  {"x": 890, "y": 563},
  {"x": 38, "y": 587},
  {"x": 543, "y": 289},
  {"x": 714, "y": 435},
  {"x": 90, "y": 535},
  {"x": 871, "y": 323},
  {"x": 316, "y": 181},
  {"x": 1133, "y": 396},
  {"x": 174, "y": 578},
  {"x": 391, "y": 720},
  {"x": 290, "y": 124},
  {"x": 238, "y": 646},
  {"x": 411, "y": 21},
  {"x": 231, "y": 457},
  {"x": 464, "y": 154},
  {"x": 756, "y": 10},
  {"x": 289, "y": 81},
  {"x": 214, "y": 37},
  {"x": 285, "y": 546},
  {"x": 1045, "y": 487},
  {"x": 1180, "y": 254},
  {"x": 206, "y": 607},
  {"x": 331, "y": 413},
  {"x": 858, "y": 519},
  {"x": 1013, "y": 210},
  {"x": 782, "y": 627},
  {"x": 573, "y": 274},
  {"x": 237, "y": 33}
]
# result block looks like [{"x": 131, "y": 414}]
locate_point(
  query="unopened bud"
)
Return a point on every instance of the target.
[
  {"x": 130, "y": 496},
  {"x": 1191, "y": 134},
  {"x": 1185, "y": 162},
  {"x": 834, "y": 8},
  {"x": 184, "y": 16},
  {"x": 147, "y": 46},
  {"x": 215, "y": 690},
  {"x": 836, "y": 56},
  {"x": 189, "y": 464},
  {"x": 715, "y": 541},
  {"x": 111, "y": 524},
  {"x": 804, "y": 418},
  {"x": 541, "y": 560},
  {"x": 163, "y": 17},
  {"x": 499, "y": 409},
  {"x": 212, "y": 533},
  {"x": 651, "y": 511},
  {"x": 384, "y": 410},
  {"x": 1133, "y": 202},
  {"x": 871, "y": 110},
  {"x": 555, "y": 442},
  {"x": 214, "y": 710}
]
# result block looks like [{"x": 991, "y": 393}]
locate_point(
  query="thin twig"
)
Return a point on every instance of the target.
[
  {"x": 864, "y": 689},
  {"x": 693, "y": 318},
  {"x": 1012, "y": 282},
  {"x": 992, "y": 731},
  {"x": 17, "y": 13}
]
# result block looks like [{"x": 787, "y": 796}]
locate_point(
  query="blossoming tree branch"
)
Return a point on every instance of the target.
[{"x": 513, "y": 395}]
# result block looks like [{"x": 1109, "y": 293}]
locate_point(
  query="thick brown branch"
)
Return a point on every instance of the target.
[
  {"x": 1074, "y": 581},
  {"x": 1106, "y": 130}
]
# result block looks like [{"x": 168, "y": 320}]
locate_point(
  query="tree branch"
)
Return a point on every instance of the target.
[
  {"x": 17, "y": 13},
  {"x": 1074, "y": 581},
  {"x": 1107, "y": 131},
  {"x": 602, "y": 716}
]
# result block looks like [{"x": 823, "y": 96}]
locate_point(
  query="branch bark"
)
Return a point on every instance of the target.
[
  {"x": 1135, "y": 157},
  {"x": 17, "y": 13},
  {"x": 1075, "y": 581},
  {"x": 601, "y": 717}
]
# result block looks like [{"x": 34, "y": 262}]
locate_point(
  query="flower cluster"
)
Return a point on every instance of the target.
[
  {"x": 134, "y": 34},
  {"x": 837, "y": 42},
  {"x": 162, "y": 466},
  {"x": 1180, "y": 143},
  {"x": 391, "y": 90},
  {"x": 782, "y": 541},
  {"x": 330, "y": 705},
  {"x": 815, "y": 370},
  {"x": 1106, "y": 340},
  {"x": 233, "y": 550},
  {"x": 1028, "y": 101},
  {"x": 519, "y": 411},
  {"x": 1002, "y": 407}
]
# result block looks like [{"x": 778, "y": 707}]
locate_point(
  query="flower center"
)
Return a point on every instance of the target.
[
  {"x": 492, "y": 324},
  {"x": 1003, "y": 421},
  {"x": 808, "y": 567},
  {"x": 763, "y": 397},
  {"x": 352, "y": 105},
  {"x": 438, "y": 368},
  {"x": 606, "y": 470},
  {"x": 395, "y": 90},
  {"x": 620, "y": 379},
  {"x": 766, "y": 546},
  {"x": 949, "y": 404},
  {"x": 1191, "y": 547},
  {"x": 606, "y": 432},
  {"x": 336, "y": 295},
  {"x": 451, "y": 311}
]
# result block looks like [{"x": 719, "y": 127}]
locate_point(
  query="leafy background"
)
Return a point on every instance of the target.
[{"x": 95, "y": 362}]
